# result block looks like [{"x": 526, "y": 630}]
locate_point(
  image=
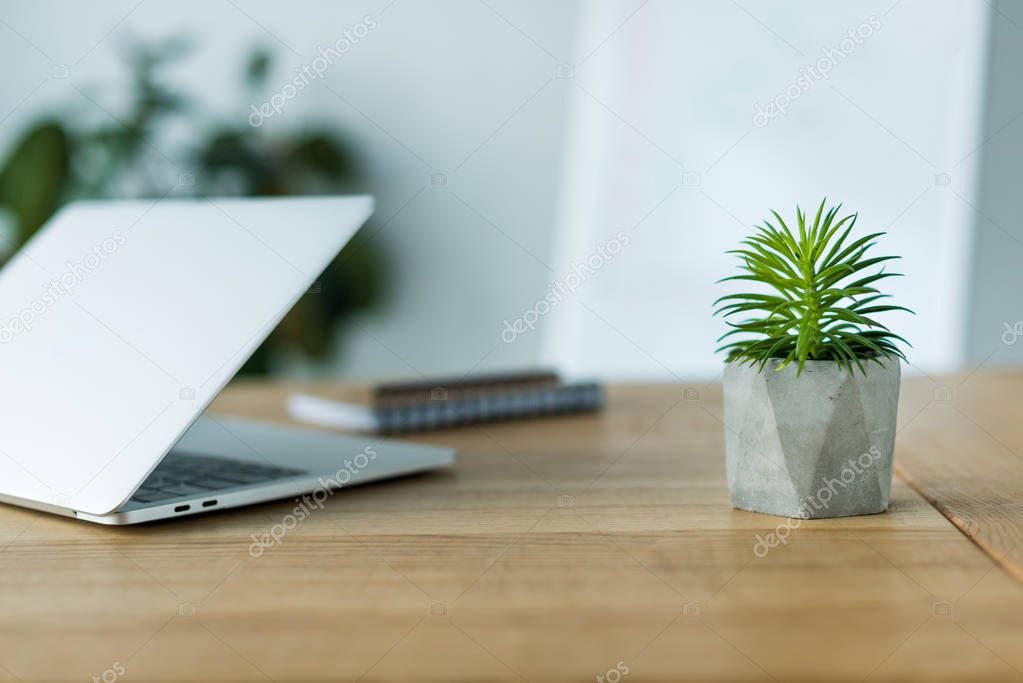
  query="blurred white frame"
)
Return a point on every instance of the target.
[{"x": 662, "y": 144}]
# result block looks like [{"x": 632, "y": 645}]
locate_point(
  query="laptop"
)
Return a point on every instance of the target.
[{"x": 120, "y": 321}]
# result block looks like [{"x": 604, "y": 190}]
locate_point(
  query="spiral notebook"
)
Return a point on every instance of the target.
[{"x": 451, "y": 402}]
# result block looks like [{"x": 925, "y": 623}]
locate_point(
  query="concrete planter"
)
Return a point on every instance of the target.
[{"x": 815, "y": 446}]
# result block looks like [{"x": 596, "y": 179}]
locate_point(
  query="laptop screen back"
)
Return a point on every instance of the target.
[{"x": 121, "y": 321}]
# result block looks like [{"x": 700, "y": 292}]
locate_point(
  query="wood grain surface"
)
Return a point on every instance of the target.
[
  {"x": 964, "y": 453},
  {"x": 564, "y": 549}
]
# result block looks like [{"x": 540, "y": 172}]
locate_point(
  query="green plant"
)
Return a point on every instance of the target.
[
  {"x": 813, "y": 307},
  {"x": 75, "y": 156}
]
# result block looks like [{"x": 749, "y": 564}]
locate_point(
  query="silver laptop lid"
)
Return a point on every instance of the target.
[{"x": 121, "y": 321}]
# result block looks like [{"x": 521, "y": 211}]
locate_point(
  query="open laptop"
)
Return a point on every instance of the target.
[{"x": 119, "y": 324}]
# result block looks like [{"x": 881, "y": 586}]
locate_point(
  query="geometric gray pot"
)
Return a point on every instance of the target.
[{"x": 815, "y": 446}]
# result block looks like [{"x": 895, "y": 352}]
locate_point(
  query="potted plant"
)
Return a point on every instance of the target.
[{"x": 811, "y": 377}]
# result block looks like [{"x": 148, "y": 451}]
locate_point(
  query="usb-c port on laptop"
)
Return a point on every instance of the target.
[
  {"x": 209, "y": 503},
  {"x": 182, "y": 508}
]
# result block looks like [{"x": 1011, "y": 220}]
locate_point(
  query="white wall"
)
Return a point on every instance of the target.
[
  {"x": 995, "y": 322},
  {"x": 647, "y": 129},
  {"x": 446, "y": 87}
]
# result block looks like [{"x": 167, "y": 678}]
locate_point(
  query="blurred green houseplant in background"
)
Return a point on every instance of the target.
[{"x": 60, "y": 159}]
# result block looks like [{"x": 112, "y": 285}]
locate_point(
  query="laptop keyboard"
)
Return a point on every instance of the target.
[{"x": 194, "y": 475}]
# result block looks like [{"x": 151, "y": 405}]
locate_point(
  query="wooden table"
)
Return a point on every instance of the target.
[{"x": 564, "y": 549}]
